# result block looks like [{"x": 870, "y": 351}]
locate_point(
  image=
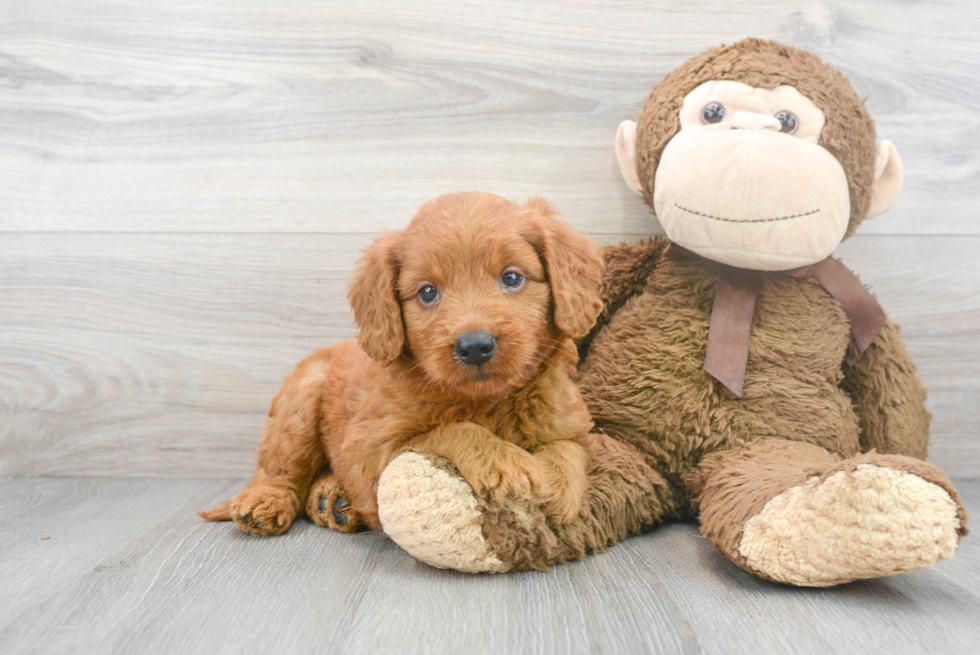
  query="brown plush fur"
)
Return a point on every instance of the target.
[
  {"x": 849, "y": 132},
  {"x": 679, "y": 444},
  {"x": 624, "y": 497},
  {"x": 515, "y": 426},
  {"x": 811, "y": 404},
  {"x": 792, "y": 388}
]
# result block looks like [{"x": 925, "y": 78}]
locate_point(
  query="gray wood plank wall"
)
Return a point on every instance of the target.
[{"x": 184, "y": 187}]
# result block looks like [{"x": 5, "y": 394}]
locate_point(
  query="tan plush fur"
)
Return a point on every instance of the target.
[
  {"x": 799, "y": 534},
  {"x": 515, "y": 425},
  {"x": 445, "y": 534}
]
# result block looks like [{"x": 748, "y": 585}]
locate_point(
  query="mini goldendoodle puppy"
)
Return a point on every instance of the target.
[{"x": 467, "y": 319}]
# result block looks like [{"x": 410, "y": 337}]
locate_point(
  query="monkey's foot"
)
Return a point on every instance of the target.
[
  {"x": 427, "y": 508},
  {"x": 864, "y": 522}
]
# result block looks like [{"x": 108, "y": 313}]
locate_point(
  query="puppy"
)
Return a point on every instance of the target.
[{"x": 467, "y": 319}]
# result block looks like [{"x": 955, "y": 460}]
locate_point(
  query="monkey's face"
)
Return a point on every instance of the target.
[{"x": 744, "y": 182}]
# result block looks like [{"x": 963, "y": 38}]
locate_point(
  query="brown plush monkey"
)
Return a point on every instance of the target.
[{"x": 738, "y": 372}]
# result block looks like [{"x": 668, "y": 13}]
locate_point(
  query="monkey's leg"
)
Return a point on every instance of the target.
[
  {"x": 428, "y": 509},
  {"x": 796, "y": 513}
]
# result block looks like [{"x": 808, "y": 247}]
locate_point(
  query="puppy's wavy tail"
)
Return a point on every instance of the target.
[{"x": 220, "y": 513}]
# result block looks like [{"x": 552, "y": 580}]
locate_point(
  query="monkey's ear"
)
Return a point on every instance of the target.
[
  {"x": 888, "y": 179},
  {"x": 373, "y": 296},
  {"x": 626, "y": 155},
  {"x": 574, "y": 268}
]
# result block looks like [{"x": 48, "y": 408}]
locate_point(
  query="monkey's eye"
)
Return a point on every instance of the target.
[
  {"x": 511, "y": 280},
  {"x": 428, "y": 294},
  {"x": 714, "y": 112},
  {"x": 788, "y": 121}
]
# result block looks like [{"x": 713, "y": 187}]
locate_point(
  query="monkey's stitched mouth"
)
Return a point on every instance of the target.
[{"x": 746, "y": 220}]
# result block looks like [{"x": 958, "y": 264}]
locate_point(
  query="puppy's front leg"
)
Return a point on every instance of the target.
[
  {"x": 486, "y": 462},
  {"x": 564, "y": 464}
]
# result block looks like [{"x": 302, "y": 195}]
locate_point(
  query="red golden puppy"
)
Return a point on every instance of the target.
[{"x": 467, "y": 319}]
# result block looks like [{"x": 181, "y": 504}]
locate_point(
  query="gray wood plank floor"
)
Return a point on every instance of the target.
[{"x": 97, "y": 565}]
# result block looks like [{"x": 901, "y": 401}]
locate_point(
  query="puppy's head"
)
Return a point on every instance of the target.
[{"x": 477, "y": 290}]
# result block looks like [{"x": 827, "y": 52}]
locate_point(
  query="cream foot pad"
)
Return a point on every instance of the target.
[
  {"x": 433, "y": 514},
  {"x": 868, "y": 523}
]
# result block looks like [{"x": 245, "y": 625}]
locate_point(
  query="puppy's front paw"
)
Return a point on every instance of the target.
[
  {"x": 506, "y": 471},
  {"x": 562, "y": 509},
  {"x": 520, "y": 475},
  {"x": 264, "y": 510},
  {"x": 564, "y": 464}
]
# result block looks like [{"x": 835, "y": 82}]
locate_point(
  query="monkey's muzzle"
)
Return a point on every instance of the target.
[{"x": 751, "y": 198}]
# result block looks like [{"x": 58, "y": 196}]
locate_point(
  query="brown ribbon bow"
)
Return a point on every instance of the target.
[{"x": 730, "y": 329}]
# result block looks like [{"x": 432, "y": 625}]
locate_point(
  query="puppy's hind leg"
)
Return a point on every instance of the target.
[
  {"x": 290, "y": 456},
  {"x": 328, "y": 505}
]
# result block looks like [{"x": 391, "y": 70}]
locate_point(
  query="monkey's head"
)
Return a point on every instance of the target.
[{"x": 759, "y": 156}]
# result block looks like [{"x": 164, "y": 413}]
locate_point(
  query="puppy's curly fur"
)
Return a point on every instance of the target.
[{"x": 514, "y": 424}]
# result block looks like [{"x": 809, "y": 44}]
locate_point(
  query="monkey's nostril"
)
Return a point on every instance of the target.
[{"x": 475, "y": 348}]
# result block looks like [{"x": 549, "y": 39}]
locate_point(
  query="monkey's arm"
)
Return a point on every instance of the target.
[
  {"x": 888, "y": 396},
  {"x": 628, "y": 265}
]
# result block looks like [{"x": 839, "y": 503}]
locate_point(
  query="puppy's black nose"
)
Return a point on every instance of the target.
[{"x": 475, "y": 348}]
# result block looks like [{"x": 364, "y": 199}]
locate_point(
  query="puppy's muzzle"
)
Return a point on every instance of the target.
[{"x": 475, "y": 348}]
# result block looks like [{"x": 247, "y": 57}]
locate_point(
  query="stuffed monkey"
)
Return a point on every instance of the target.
[{"x": 738, "y": 373}]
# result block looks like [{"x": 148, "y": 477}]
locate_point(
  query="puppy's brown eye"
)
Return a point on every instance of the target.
[
  {"x": 511, "y": 280},
  {"x": 428, "y": 294}
]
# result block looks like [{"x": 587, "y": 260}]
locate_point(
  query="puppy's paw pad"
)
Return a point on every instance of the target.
[
  {"x": 867, "y": 523},
  {"x": 329, "y": 507},
  {"x": 340, "y": 511}
]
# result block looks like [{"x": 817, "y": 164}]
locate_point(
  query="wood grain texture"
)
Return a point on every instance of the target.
[
  {"x": 184, "y": 188},
  {"x": 312, "y": 116},
  {"x": 124, "y": 566},
  {"x": 131, "y": 354}
]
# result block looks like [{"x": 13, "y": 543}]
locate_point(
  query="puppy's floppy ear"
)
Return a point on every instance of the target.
[
  {"x": 573, "y": 265},
  {"x": 373, "y": 296}
]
